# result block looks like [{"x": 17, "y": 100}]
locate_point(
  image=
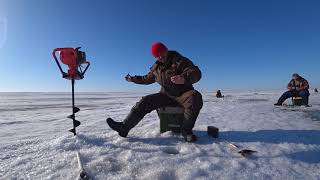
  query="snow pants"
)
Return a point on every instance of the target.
[
  {"x": 304, "y": 94},
  {"x": 191, "y": 101}
]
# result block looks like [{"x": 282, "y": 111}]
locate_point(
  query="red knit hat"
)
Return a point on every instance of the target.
[{"x": 158, "y": 48}]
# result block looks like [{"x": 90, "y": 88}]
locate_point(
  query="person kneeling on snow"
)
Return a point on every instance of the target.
[
  {"x": 297, "y": 87},
  {"x": 175, "y": 74}
]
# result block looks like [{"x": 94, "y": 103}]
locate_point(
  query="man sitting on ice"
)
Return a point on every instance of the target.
[
  {"x": 175, "y": 74},
  {"x": 219, "y": 94},
  {"x": 297, "y": 87}
]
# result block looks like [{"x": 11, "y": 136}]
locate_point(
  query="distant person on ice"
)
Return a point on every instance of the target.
[
  {"x": 297, "y": 87},
  {"x": 315, "y": 90},
  {"x": 176, "y": 74},
  {"x": 219, "y": 95}
]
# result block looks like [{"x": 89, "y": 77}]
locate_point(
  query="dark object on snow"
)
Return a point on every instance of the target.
[
  {"x": 246, "y": 152},
  {"x": 315, "y": 90},
  {"x": 171, "y": 118},
  {"x": 219, "y": 94},
  {"x": 297, "y": 101},
  {"x": 297, "y": 87},
  {"x": 243, "y": 152},
  {"x": 213, "y": 131},
  {"x": 189, "y": 136},
  {"x": 73, "y": 58}
]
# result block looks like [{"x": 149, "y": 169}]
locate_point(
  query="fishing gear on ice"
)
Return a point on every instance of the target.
[{"x": 75, "y": 60}]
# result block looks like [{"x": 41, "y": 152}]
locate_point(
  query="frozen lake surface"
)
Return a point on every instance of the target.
[{"x": 35, "y": 142}]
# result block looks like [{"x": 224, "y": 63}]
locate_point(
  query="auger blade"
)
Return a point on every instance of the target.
[
  {"x": 76, "y": 109},
  {"x": 71, "y": 116},
  {"x": 73, "y": 130},
  {"x": 76, "y": 123}
]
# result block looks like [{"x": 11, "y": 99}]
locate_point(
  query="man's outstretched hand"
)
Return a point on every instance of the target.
[
  {"x": 178, "y": 79},
  {"x": 128, "y": 78}
]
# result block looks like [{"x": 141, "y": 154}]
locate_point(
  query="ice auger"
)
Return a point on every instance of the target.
[{"x": 74, "y": 59}]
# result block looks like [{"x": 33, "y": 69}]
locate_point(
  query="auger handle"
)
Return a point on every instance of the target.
[
  {"x": 55, "y": 57},
  {"x": 84, "y": 71}
]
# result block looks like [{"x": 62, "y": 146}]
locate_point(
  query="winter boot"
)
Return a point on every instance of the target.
[
  {"x": 133, "y": 118},
  {"x": 118, "y": 126},
  {"x": 277, "y": 104},
  {"x": 189, "y": 136}
]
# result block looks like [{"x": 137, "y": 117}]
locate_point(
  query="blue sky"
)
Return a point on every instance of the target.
[{"x": 237, "y": 44}]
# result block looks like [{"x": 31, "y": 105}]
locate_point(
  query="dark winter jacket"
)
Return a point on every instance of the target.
[
  {"x": 219, "y": 95},
  {"x": 300, "y": 84},
  {"x": 161, "y": 73}
]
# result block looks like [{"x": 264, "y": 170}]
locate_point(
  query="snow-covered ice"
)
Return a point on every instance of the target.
[{"x": 35, "y": 142}]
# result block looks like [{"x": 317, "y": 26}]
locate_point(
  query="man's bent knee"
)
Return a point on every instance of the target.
[
  {"x": 192, "y": 100},
  {"x": 144, "y": 105}
]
